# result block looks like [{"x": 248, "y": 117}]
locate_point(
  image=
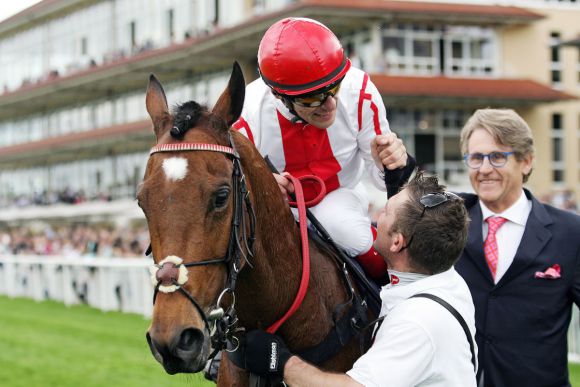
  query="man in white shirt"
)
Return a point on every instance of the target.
[
  {"x": 421, "y": 232},
  {"x": 521, "y": 260}
]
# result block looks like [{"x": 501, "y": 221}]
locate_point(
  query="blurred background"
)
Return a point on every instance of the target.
[{"x": 74, "y": 133}]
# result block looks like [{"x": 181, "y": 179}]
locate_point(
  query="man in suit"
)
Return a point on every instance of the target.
[{"x": 521, "y": 261}]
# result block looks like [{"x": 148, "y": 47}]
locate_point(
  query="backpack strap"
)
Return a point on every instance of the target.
[{"x": 459, "y": 318}]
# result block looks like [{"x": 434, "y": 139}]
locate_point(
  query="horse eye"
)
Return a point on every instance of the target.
[{"x": 220, "y": 198}]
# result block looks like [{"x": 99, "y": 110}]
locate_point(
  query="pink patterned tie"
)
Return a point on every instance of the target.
[{"x": 490, "y": 245}]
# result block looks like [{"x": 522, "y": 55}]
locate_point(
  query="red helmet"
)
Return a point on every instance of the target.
[{"x": 299, "y": 55}]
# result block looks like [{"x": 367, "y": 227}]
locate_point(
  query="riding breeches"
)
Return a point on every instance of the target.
[{"x": 344, "y": 214}]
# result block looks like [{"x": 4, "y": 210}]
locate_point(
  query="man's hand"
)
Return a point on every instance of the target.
[
  {"x": 388, "y": 151},
  {"x": 284, "y": 183},
  {"x": 263, "y": 354}
]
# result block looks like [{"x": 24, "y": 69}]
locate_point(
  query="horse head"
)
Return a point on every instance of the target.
[{"x": 190, "y": 195}]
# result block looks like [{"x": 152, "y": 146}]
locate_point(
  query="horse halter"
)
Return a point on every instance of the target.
[{"x": 170, "y": 274}]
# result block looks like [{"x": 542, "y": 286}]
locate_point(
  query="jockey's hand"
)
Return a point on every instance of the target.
[
  {"x": 388, "y": 151},
  {"x": 262, "y": 353},
  {"x": 284, "y": 183}
]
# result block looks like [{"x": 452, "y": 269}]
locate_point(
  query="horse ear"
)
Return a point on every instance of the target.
[
  {"x": 230, "y": 103},
  {"x": 156, "y": 103}
]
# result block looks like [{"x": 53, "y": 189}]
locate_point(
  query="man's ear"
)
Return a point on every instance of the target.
[
  {"x": 528, "y": 163},
  {"x": 398, "y": 242}
]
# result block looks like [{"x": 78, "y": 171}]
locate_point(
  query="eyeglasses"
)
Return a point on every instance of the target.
[
  {"x": 496, "y": 159},
  {"x": 318, "y": 98},
  {"x": 432, "y": 200}
]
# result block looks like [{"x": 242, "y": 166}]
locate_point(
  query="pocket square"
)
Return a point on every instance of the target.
[{"x": 553, "y": 272}]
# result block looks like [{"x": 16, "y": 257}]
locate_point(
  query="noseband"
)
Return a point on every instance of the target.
[{"x": 170, "y": 274}]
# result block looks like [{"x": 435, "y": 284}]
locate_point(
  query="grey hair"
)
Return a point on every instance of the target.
[{"x": 506, "y": 127}]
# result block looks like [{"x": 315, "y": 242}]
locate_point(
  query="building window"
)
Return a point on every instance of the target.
[
  {"x": 555, "y": 60},
  {"x": 557, "y": 148},
  {"x": 468, "y": 51},
  {"x": 435, "y": 50},
  {"x": 216, "y": 15},
  {"x": 433, "y": 136},
  {"x": 133, "y": 35},
  {"x": 171, "y": 25},
  {"x": 84, "y": 46},
  {"x": 410, "y": 49}
]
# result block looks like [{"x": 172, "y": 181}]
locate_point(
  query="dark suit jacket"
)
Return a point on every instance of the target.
[{"x": 522, "y": 322}]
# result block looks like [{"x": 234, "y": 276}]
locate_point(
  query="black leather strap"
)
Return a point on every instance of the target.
[{"x": 459, "y": 318}]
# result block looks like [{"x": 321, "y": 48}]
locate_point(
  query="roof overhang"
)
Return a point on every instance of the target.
[
  {"x": 117, "y": 139},
  {"x": 479, "y": 92},
  {"x": 218, "y": 50}
]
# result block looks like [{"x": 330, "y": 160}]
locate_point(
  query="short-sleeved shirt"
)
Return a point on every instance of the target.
[{"x": 420, "y": 343}]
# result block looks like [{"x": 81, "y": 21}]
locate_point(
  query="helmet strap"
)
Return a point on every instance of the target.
[{"x": 289, "y": 105}]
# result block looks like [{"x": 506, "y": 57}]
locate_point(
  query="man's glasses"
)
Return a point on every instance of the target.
[
  {"x": 496, "y": 159},
  {"x": 316, "y": 99},
  {"x": 432, "y": 200}
]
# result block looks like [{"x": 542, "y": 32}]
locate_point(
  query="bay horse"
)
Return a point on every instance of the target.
[{"x": 199, "y": 213}]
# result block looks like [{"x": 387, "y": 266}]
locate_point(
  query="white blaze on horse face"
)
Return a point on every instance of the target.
[{"x": 175, "y": 168}]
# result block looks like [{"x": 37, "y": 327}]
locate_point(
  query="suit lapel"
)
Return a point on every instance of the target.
[
  {"x": 536, "y": 236},
  {"x": 474, "y": 245}
]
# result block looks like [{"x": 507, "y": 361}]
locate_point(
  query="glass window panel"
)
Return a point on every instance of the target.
[
  {"x": 557, "y": 149},
  {"x": 557, "y": 121},
  {"x": 451, "y": 149},
  {"x": 422, "y": 48},
  {"x": 394, "y": 46},
  {"x": 457, "y": 49}
]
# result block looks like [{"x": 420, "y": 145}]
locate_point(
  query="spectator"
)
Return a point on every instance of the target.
[{"x": 525, "y": 277}]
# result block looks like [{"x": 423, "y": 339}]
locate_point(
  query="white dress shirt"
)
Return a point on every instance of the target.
[{"x": 510, "y": 234}]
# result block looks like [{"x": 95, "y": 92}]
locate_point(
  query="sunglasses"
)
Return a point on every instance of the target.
[
  {"x": 318, "y": 98},
  {"x": 432, "y": 200}
]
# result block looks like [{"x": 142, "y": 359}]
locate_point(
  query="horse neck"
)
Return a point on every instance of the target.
[{"x": 276, "y": 266}]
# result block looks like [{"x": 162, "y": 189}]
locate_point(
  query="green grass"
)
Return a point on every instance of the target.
[
  {"x": 47, "y": 344},
  {"x": 574, "y": 374}
]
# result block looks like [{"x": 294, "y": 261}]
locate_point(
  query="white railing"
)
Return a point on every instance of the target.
[{"x": 121, "y": 284}]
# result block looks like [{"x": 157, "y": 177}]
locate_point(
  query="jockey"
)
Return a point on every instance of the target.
[{"x": 312, "y": 113}]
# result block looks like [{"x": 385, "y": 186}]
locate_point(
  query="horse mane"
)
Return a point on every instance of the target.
[
  {"x": 185, "y": 116},
  {"x": 189, "y": 114}
]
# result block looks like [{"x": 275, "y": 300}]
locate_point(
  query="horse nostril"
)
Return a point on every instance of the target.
[{"x": 190, "y": 340}]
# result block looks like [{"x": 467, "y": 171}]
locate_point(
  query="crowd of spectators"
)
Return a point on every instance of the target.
[
  {"x": 76, "y": 240},
  {"x": 47, "y": 198}
]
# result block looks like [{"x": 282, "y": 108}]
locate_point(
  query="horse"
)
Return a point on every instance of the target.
[{"x": 207, "y": 193}]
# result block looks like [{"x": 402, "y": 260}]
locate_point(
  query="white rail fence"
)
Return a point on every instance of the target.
[{"x": 119, "y": 284}]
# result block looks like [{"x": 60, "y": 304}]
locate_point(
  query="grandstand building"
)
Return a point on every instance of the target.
[{"x": 73, "y": 124}]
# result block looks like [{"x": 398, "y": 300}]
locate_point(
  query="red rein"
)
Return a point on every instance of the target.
[{"x": 301, "y": 205}]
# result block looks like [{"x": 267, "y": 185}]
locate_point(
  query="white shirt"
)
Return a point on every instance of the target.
[
  {"x": 509, "y": 235},
  {"x": 338, "y": 154},
  {"x": 420, "y": 343}
]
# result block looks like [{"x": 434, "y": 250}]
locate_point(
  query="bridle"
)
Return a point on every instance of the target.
[{"x": 170, "y": 274}]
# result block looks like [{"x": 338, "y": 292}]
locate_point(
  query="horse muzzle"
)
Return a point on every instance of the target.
[{"x": 187, "y": 352}]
